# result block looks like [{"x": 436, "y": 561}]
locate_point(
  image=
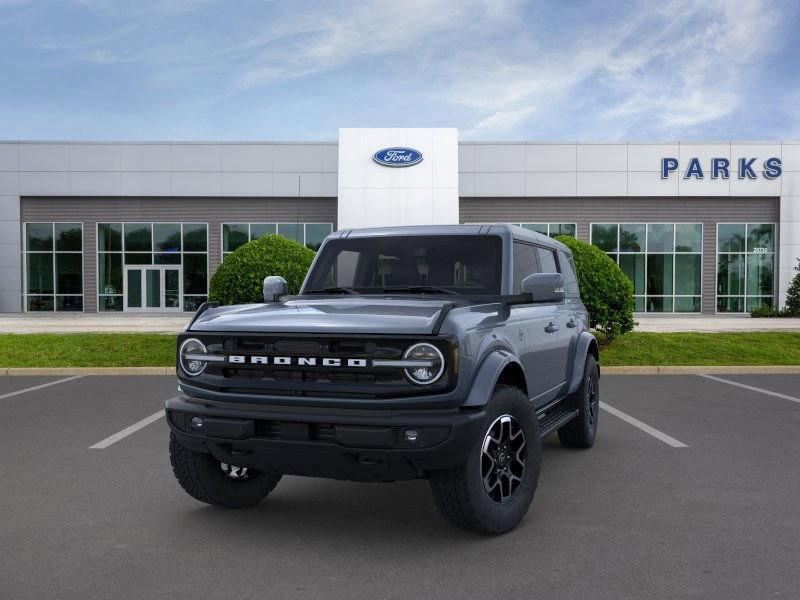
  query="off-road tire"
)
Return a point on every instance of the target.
[
  {"x": 582, "y": 430},
  {"x": 202, "y": 478},
  {"x": 459, "y": 493}
]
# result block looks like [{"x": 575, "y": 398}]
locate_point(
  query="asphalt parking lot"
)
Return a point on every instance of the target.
[{"x": 690, "y": 492}]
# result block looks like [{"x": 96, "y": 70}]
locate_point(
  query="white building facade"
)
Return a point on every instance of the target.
[{"x": 704, "y": 228}]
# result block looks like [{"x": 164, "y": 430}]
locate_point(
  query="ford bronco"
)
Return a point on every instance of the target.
[{"x": 437, "y": 352}]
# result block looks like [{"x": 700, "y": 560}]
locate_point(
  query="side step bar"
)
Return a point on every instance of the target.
[{"x": 555, "y": 418}]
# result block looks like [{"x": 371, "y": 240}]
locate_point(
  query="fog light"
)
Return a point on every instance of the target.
[
  {"x": 196, "y": 424},
  {"x": 411, "y": 436}
]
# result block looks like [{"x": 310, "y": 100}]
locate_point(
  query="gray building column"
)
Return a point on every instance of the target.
[{"x": 10, "y": 232}]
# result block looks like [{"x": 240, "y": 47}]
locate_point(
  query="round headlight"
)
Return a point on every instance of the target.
[
  {"x": 431, "y": 371},
  {"x": 188, "y": 352}
]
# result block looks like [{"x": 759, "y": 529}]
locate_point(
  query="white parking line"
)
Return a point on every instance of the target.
[
  {"x": 752, "y": 388},
  {"x": 659, "y": 435},
  {"x": 113, "y": 439},
  {"x": 39, "y": 387}
]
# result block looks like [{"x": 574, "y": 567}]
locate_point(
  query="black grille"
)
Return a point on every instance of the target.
[{"x": 314, "y": 381}]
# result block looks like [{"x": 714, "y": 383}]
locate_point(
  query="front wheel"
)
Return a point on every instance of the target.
[
  {"x": 492, "y": 490},
  {"x": 208, "y": 480}
]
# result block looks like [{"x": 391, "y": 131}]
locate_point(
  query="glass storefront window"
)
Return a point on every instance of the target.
[
  {"x": 53, "y": 266},
  {"x": 551, "y": 229},
  {"x": 138, "y": 237},
  {"x": 123, "y": 244},
  {"x": 311, "y": 235},
  {"x": 605, "y": 236},
  {"x": 663, "y": 260},
  {"x": 745, "y": 266},
  {"x": 234, "y": 235}
]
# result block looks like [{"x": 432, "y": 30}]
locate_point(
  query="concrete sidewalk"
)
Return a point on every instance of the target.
[
  {"x": 93, "y": 323},
  {"x": 174, "y": 322}
]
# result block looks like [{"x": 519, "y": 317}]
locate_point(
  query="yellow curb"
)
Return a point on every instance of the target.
[
  {"x": 89, "y": 371},
  {"x": 699, "y": 369}
]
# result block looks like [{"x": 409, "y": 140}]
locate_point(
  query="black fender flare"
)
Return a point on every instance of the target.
[
  {"x": 587, "y": 344},
  {"x": 486, "y": 377}
]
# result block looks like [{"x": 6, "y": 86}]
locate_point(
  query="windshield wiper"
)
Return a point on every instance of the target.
[
  {"x": 334, "y": 290},
  {"x": 419, "y": 289}
]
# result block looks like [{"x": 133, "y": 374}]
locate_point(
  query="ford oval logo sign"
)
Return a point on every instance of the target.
[{"x": 397, "y": 157}]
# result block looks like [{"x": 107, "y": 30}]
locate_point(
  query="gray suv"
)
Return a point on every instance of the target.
[{"x": 443, "y": 353}]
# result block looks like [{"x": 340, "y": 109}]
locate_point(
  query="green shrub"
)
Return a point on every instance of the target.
[
  {"x": 605, "y": 289},
  {"x": 793, "y": 294},
  {"x": 240, "y": 277}
]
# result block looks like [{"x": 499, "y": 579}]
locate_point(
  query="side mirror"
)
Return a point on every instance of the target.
[
  {"x": 544, "y": 287},
  {"x": 275, "y": 286}
]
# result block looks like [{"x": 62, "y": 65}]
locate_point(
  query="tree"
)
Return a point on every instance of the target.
[
  {"x": 606, "y": 291},
  {"x": 240, "y": 277},
  {"x": 793, "y": 293}
]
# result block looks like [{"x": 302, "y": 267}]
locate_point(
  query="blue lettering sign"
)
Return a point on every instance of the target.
[
  {"x": 397, "y": 157},
  {"x": 746, "y": 168},
  {"x": 720, "y": 167},
  {"x": 772, "y": 168},
  {"x": 668, "y": 165},
  {"x": 694, "y": 170}
]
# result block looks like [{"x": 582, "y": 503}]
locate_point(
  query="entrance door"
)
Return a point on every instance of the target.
[{"x": 152, "y": 288}]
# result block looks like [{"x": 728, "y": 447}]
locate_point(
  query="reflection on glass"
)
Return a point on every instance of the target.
[
  {"x": 315, "y": 234},
  {"x": 659, "y": 274},
  {"x": 134, "y": 288},
  {"x": 633, "y": 266},
  {"x": 109, "y": 303},
  {"x": 109, "y": 237},
  {"x": 39, "y": 237},
  {"x": 69, "y": 268},
  {"x": 153, "y": 289},
  {"x": 195, "y": 274},
  {"x": 688, "y": 271},
  {"x": 688, "y": 237},
  {"x": 109, "y": 271},
  {"x": 69, "y": 237},
  {"x": 557, "y": 229},
  {"x": 760, "y": 274},
  {"x": 195, "y": 237},
  {"x": 631, "y": 237},
  {"x": 167, "y": 237},
  {"x": 730, "y": 237},
  {"x": 537, "y": 227},
  {"x": 760, "y": 237},
  {"x": 604, "y": 236},
  {"x": 234, "y": 235},
  {"x": 259, "y": 230},
  {"x": 730, "y": 304},
  {"x": 172, "y": 288},
  {"x": 40, "y": 273},
  {"x": 293, "y": 231},
  {"x": 730, "y": 274},
  {"x": 685, "y": 304},
  {"x": 69, "y": 303},
  {"x": 660, "y": 237},
  {"x": 756, "y": 302},
  {"x": 138, "y": 237},
  {"x": 657, "y": 304}
]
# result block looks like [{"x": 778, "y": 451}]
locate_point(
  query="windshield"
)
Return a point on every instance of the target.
[{"x": 461, "y": 264}]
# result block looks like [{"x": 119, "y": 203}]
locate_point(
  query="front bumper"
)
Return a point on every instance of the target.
[{"x": 351, "y": 444}]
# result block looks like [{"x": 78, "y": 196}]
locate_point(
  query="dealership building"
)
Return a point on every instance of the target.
[{"x": 703, "y": 228}]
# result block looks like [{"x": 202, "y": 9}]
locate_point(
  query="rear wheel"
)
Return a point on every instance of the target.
[
  {"x": 208, "y": 480},
  {"x": 582, "y": 430},
  {"x": 492, "y": 490}
]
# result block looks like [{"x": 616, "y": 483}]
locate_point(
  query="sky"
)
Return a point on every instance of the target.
[{"x": 497, "y": 70}]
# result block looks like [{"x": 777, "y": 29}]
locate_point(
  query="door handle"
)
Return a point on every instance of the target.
[
  {"x": 571, "y": 323},
  {"x": 551, "y": 328}
]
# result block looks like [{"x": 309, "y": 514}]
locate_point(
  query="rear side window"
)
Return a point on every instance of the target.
[
  {"x": 570, "y": 278},
  {"x": 525, "y": 263},
  {"x": 547, "y": 260}
]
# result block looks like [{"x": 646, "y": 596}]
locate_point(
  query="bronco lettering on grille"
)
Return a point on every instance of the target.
[{"x": 300, "y": 361}]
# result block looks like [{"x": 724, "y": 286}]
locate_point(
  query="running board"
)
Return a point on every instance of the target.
[{"x": 556, "y": 418}]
